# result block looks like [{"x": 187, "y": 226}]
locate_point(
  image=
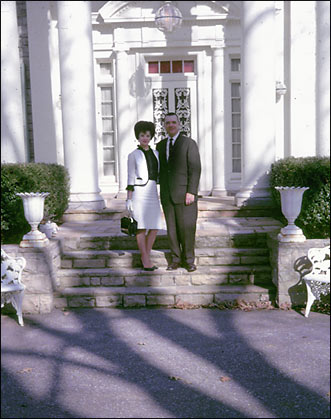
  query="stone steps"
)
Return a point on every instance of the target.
[
  {"x": 100, "y": 266},
  {"x": 176, "y": 295}
]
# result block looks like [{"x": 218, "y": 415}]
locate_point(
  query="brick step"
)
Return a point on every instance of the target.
[
  {"x": 204, "y": 239},
  {"x": 160, "y": 296},
  {"x": 129, "y": 277},
  {"x": 131, "y": 258}
]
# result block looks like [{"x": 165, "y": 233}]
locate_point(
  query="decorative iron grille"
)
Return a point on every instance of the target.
[
  {"x": 183, "y": 108},
  {"x": 160, "y": 109}
]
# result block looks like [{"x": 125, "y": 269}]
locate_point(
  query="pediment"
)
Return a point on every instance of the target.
[
  {"x": 139, "y": 11},
  {"x": 115, "y": 11}
]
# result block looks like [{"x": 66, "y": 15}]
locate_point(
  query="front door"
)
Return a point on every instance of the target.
[
  {"x": 174, "y": 96},
  {"x": 165, "y": 96}
]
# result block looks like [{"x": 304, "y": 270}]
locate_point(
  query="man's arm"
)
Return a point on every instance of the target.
[{"x": 193, "y": 169}]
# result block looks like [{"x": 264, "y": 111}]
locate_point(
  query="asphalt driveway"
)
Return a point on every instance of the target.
[{"x": 166, "y": 363}]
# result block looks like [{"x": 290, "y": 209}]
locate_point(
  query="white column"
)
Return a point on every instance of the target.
[
  {"x": 218, "y": 122},
  {"x": 13, "y": 142},
  {"x": 44, "y": 135},
  {"x": 78, "y": 103},
  {"x": 258, "y": 100},
  {"x": 302, "y": 89},
  {"x": 323, "y": 79},
  {"x": 125, "y": 133},
  {"x": 280, "y": 79},
  {"x": 204, "y": 123}
]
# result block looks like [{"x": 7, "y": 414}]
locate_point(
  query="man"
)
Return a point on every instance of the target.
[{"x": 180, "y": 170}]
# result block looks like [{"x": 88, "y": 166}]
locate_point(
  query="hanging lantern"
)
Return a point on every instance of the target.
[{"x": 168, "y": 17}]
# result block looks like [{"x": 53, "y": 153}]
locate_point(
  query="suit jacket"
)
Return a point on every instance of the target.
[
  {"x": 181, "y": 174},
  {"x": 137, "y": 167}
]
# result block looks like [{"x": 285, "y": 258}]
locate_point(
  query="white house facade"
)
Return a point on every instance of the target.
[{"x": 250, "y": 81}]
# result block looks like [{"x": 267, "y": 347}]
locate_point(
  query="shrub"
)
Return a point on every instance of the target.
[
  {"x": 313, "y": 172},
  {"x": 31, "y": 177}
]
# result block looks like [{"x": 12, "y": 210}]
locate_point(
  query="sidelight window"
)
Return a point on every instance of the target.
[
  {"x": 108, "y": 131},
  {"x": 235, "y": 116}
]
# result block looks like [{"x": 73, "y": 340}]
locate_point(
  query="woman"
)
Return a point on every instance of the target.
[{"x": 142, "y": 195}]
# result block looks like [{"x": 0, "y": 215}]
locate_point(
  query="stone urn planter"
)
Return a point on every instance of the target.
[
  {"x": 33, "y": 204},
  {"x": 291, "y": 200}
]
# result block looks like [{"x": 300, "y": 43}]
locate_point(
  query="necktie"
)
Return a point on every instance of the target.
[{"x": 171, "y": 147}]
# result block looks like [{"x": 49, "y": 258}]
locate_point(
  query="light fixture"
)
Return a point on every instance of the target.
[
  {"x": 168, "y": 17},
  {"x": 281, "y": 89}
]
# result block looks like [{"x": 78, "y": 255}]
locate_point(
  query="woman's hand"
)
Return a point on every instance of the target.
[{"x": 129, "y": 205}]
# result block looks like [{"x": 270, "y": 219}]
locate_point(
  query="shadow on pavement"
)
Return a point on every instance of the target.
[{"x": 154, "y": 363}]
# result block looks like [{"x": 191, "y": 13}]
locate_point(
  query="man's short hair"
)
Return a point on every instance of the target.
[{"x": 171, "y": 114}]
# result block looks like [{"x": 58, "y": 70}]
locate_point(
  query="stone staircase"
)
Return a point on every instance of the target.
[{"x": 100, "y": 267}]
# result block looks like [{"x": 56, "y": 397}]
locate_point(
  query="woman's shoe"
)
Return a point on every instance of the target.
[{"x": 150, "y": 269}]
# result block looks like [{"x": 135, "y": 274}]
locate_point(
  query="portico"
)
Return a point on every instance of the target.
[
  {"x": 98, "y": 67},
  {"x": 186, "y": 71}
]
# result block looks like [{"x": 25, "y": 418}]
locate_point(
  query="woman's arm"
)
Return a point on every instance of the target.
[
  {"x": 129, "y": 194},
  {"x": 131, "y": 169}
]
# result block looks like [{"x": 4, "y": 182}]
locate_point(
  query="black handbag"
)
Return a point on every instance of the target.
[{"x": 129, "y": 226}]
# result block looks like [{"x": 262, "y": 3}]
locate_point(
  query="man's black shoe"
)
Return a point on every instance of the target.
[
  {"x": 190, "y": 267},
  {"x": 173, "y": 266}
]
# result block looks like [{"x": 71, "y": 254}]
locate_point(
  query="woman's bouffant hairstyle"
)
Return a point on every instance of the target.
[{"x": 144, "y": 126}]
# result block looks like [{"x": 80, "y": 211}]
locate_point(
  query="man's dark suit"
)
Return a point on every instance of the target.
[{"x": 179, "y": 175}]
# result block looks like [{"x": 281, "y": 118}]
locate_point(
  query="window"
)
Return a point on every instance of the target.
[
  {"x": 153, "y": 67},
  {"x": 235, "y": 64},
  {"x": 177, "y": 66},
  {"x": 106, "y": 69},
  {"x": 236, "y": 127},
  {"x": 235, "y": 115},
  {"x": 188, "y": 66},
  {"x": 108, "y": 132},
  {"x": 167, "y": 67}
]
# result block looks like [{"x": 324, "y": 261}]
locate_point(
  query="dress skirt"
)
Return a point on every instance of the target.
[{"x": 146, "y": 206}]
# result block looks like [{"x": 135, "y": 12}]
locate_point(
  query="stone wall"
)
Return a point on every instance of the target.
[
  {"x": 289, "y": 263},
  {"x": 39, "y": 275}
]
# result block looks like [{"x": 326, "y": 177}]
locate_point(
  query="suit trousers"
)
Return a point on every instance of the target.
[{"x": 181, "y": 222}]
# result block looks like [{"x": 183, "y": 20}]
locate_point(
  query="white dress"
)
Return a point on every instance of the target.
[
  {"x": 145, "y": 197},
  {"x": 146, "y": 206}
]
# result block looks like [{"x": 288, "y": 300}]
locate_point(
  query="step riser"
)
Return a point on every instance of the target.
[
  {"x": 161, "y": 253},
  {"x": 116, "y": 215},
  {"x": 167, "y": 300},
  {"x": 159, "y": 261},
  {"x": 257, "y": 240},
  {"x": 164, "y": 279}
]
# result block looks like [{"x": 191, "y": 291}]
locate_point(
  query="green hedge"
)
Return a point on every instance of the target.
[
  {"x": 31, "y": 177},
  {"x": 313, "y": 172}
]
